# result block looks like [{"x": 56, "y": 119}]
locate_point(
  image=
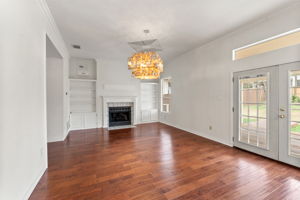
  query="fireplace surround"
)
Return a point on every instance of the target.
[{"x": 119, "y": 101}]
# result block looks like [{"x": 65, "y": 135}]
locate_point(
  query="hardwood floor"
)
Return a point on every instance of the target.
[{"x": 159, "y": 162}]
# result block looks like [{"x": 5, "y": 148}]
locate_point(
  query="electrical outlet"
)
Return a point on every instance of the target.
[{"x": 210, "y": 128}]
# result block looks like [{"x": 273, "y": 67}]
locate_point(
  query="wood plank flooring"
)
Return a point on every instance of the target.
[{"x": 159, "y": 162}]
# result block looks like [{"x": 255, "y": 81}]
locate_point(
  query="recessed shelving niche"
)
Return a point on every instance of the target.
[
  {"x": 149, "y": 102},
  {"x": 83, "y": 87},
  {"x": 82, "y": 96},
  {"x": 83, "y": 69}
]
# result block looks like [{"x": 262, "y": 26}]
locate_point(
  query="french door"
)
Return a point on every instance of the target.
[
  {"x": 255, "y": 116},
  {"x": 267, "y": 112},
  {"x": 289, "y": 113}
]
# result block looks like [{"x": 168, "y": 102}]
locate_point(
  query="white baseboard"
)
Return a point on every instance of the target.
[
  {"x": 78, "y": 129},
  {"x": 148, "y": 122},
  {"x": 33, "y": 185},
  {"x": 199, "y": 134},
  {"x": 55, "y": 139},
  {"x": 59, "y": 139},
  {"x": 67, "y": 133}
]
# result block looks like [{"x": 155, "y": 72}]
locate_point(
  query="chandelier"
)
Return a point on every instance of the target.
[{"x": 145, "y": 65}]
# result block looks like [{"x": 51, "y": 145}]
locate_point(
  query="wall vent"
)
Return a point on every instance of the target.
[{"x": 76, "y": 46}]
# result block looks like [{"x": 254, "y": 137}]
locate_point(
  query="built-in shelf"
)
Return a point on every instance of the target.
[
  {"x": 87, "y": 80},
  {"x": 81, "y": 112},
  {"x": 83, "y": 88},
  {"x": 149, "y": 102},
  {"x": 82, "y": 95}
]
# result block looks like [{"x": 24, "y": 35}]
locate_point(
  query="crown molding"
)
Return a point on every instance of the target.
[{"x": 44, "y": 8}]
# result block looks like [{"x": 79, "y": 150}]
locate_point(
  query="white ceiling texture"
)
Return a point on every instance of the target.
[{"x": 103, "y": 28}]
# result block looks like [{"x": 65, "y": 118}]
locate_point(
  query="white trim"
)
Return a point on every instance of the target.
[
  {"x": 55, "y": 139},
  {"x": 200, "y": 134},
  {"x": 265, "y": 40},
  {"x": 231, "y": 103},
  {"x": 161, "y": 95},
  {"x": 118, "y": 99},
  {"x": 79, "y": 129},
  {"x": 59, "y": 139},
  {"x": 149, "y": 122},
  {"x": 53, "y": 26},
  {"x": 34, "y": 184},
  {"x": 68, "y": 132},
  {"x": 83, "y": 80}
]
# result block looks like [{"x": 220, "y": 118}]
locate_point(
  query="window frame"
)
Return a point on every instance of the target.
[
  {"x": 162, "y": 94},
  {"x": 283, "y": 40}
]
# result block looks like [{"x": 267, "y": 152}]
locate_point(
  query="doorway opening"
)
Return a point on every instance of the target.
[{"x": 54, "y": 92}]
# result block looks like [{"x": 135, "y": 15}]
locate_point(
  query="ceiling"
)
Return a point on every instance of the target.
[{"x": 103, "y": 28}]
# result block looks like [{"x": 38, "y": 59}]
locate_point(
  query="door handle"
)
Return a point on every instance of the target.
[{"x": 281, "y": 116}]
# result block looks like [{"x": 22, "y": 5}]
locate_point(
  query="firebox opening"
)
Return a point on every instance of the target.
[{"x": 119, "y": 116}]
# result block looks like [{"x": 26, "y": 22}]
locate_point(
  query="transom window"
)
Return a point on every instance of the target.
[{"x": 283, "y": 40}]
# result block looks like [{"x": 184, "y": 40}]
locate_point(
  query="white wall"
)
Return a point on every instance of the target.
[
  {"x": 201, "y": 78},
  {"x": 55, "y": 92},
  {"x": 23, "y": 140},
  {"x": 90, "y": 65},
  {"x": 114, "y": 79}
]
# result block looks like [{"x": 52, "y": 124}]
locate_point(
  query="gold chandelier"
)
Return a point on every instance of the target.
[{"x": 145, "y": 65}]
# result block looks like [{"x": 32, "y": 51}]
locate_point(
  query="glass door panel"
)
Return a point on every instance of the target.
[
  {"x": 255, "y": 129},
  {"x": 289, "y": 113},
  {"x": 294, "y": 117},
  {"x": 254, "y": 108}
]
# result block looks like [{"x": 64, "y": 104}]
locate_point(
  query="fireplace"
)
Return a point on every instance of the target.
[
  {"x": 118, "y": 101},
  {"x": 119, "y": 116}
]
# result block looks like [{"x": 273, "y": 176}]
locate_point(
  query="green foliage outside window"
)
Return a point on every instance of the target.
[{"x": 295, "y": 99}]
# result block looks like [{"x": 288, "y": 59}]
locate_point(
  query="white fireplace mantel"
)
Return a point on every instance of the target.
[{"x": 108, "y": 101}]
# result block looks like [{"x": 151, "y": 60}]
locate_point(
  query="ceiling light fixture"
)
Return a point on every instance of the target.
[{"x": 146, "y": 63}]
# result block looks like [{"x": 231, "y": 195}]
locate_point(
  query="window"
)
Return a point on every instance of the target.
[
  {"x": 165, "y": 94},
  {"x": 295, "y": 80},
  {"x": 254, "y": 111},
  {"x": 294, "y": 114},
  {"x": 287, "y": 39}
]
